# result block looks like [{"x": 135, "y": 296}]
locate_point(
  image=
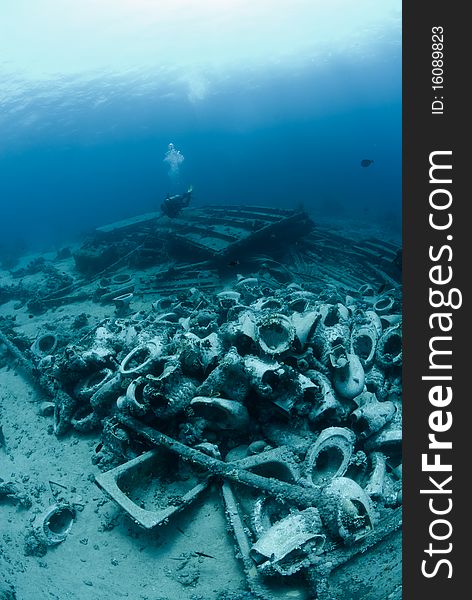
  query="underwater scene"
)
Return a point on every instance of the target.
[{"x": 200, "y": 300}]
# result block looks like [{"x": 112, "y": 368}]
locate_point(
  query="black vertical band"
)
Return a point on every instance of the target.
[{"x": 437, "y": 245}]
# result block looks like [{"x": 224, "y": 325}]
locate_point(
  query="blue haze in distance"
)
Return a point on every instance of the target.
[{"x": 273, "y": 102}]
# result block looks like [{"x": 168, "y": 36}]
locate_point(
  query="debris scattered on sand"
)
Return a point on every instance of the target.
[{"x": 280, "y": 384}]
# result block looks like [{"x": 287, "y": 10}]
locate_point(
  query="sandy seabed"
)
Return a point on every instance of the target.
[{"x": 106, "y": 556}]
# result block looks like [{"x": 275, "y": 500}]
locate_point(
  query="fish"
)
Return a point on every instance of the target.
[
  {"x": 233, "y": 263},
  {"x": 203, "y": 554},
  {"x": 397, "y": 261},
  {"x": 366, "y": 162},
  {"x": 382, "y": 288}
]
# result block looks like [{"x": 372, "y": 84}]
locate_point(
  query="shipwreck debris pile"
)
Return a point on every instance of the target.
[
  {"x": 280, "y": 387},
  {"x": 292, "y": 398}
]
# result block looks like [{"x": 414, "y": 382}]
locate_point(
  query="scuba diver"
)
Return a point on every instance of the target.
[{"x": 173, "y": 205}]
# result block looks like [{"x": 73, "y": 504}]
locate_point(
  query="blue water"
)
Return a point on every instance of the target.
[{"x": 77, "y": 152}]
